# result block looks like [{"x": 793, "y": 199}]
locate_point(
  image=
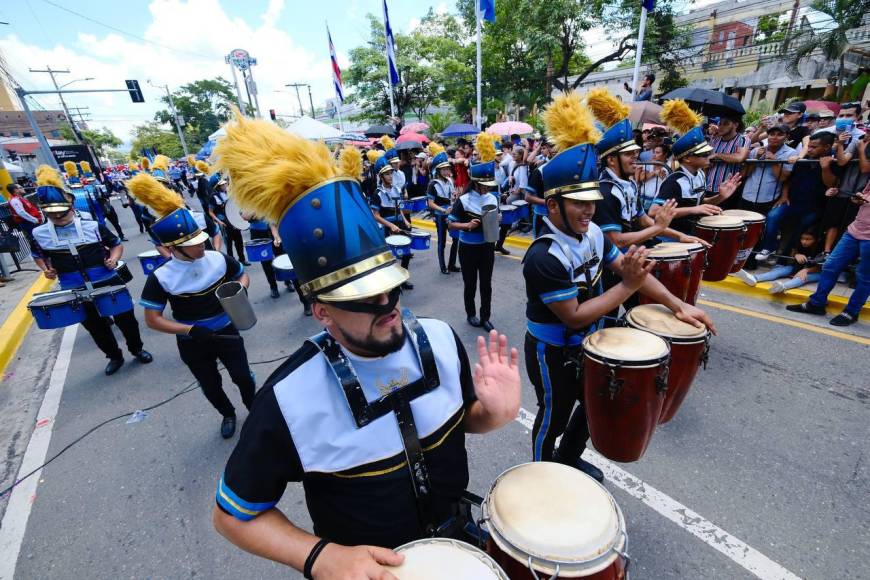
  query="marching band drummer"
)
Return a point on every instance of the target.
[
  {"x": 409, "y": 391},
  {"x": 563, "y": 290},
  {"x": 217, "y": 209},
  {"x": 98, "y": 253},
  {"x": 439, "y": 196},
  {"x": 386, "y": 207},
  {"x": 187, "y": 282}
]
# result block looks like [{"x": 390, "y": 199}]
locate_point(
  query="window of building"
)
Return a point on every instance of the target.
[{"x": 731, "y": 37}]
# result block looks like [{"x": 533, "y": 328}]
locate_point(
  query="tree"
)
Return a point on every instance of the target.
[
  {"x": 98, "y": 139},
  {"x": 153, "y": 135},
  {"x": 204, "y": 105}
]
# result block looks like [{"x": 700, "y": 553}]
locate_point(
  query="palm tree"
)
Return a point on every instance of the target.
[{"x": 833, "y": 43}]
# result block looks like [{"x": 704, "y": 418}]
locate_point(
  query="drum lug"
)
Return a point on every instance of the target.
[
  {"x": 705, "y": 356},
  {"x": 535, "y": 574},
  {"x": 624, "y": 553},
  {"x": 614, "y": 384},
  {"x": 662, "y": 379}
]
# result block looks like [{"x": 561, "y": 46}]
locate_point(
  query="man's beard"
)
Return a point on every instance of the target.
[{"x": 375, "y": 347}]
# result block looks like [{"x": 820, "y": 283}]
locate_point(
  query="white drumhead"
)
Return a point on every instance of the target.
[
  {"x": 659, "y": 320},
  {"x": 553, "y": 512},
  {"x": 234, "y": 216},
  {"x": 418, "y": 233},
  {"x": 747, "y": 216},
  {"x": 398, "y": 240},
  {"x": 520, "y": 203},
  {"x": 690, "y": 247},
  {"x": 149, "y": 254},
  {"x": 441, "y": 558},
  {"x": 282, "y": 262},
  {"x": 661, "y": 251},
  {"x": 721, "y": 222},
  {"x": 504, "y": 208},
  {"x": 626, "y": 344}
]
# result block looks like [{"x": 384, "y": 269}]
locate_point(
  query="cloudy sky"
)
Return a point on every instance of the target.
[{"x": 177, "y": 41}]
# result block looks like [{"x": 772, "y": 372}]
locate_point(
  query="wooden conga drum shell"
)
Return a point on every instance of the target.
[
  {"x": 672, "y": 269},
  {"x": 698, "y": 261},
  {"x": 624, "y": 383},
  {"x": 726, "y": 234},
  {"x": 754, "y": 223}
]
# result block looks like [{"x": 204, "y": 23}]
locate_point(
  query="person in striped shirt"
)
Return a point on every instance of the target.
[{"x": 730, "y": 150}]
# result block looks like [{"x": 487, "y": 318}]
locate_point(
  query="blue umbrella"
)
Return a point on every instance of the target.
[{"x": 460, "y": 130}]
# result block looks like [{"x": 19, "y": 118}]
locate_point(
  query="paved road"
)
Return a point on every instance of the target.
[{"x": 770, "y": 446}]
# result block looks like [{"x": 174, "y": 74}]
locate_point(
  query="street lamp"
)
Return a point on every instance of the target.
[{"x": 75, "y": 81}]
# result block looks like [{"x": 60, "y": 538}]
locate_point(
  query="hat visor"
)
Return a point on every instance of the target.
[
  {"x": 199, "y": 238},
  {"x": 588, "y": 195},
  {"x": 375, "y": 282},
  {"x": 56, "y": 208},
  {"x": 442, "y": 165}
]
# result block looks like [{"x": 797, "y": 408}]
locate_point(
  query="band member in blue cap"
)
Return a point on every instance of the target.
[
  {"x": 371, "y": 414},
  {"x": 440, "y": 194},
  {"x": 78, "y": 251},
  {"x": 217, "y": 209},
  {"x": 386, "y": 207},
  {"x": 562, "y": 270},
  {"x": 187, "y": 283}
]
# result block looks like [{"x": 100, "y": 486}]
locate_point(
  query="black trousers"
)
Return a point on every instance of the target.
[
  {"x": 234, "y": 236},
  {"x": 558, "y": 386},
  {"x": 502, "y": 235},
  {"x": 201, "y": 357},
  {"x": 477, "y": 261},
  {"x": 112, "y": 216},
  {"x": 100, "y": 329},
  {"x": 537, "y": 224}
]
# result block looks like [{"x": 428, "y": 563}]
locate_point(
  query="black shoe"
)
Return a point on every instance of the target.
[
  {"x": 454, "y": 269},
  {"x": 245, "y": 262},
  {"x": 473, "y": 321},
  {"x": 308, "y": 310},
  {"x": 407, "y": 286},
  {"x": 275, "y": 293},
  {"x": 123, "y": 239},
  {"x": 228, "y": 427},
  {"x": 582, "y": 465},
  {"x": 289, "y": 286},
  {"x": 445, "y": 271},
  {"x": 114, "y": 365},
  {"x": 806, "y": 308},
  {"x": 844, "y": 319},
  {"x": 144, "y": 357},
  {"x": 502, "y": 250},
  {"x": 487, "y": 326}
]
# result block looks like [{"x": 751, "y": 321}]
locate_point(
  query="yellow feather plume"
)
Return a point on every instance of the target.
[
  {"x": 269, "y": 168},
  {"x": 70, "y": 168},
  {"x": 569, "y": 123},
  {"x": 350, "y": 163},
  {"x": 203, "y": 167},
  {"x": 149, "y": 191},
  {"x": 86, "y": 167},
  {"x": 387, "y": 142},
  {"x": 145, "y": 163},
  {"x": 679, "y": 116},
  {"x": 434, "y": 148},
  {"x": 131, "y": 165},
  {"x": 608, "y": 109},
  {"x": 485, "y": 145},
  {"x": 191, "y": 160},
  {"x": 373, "y": 155},
  {"x": 160, "y": 162},
  {"x": 47, "y": 175}
]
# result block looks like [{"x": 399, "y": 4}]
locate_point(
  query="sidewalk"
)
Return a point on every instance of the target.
[
  {"x": 836, "y": 300},
  {"x": 15, "y": 319}
]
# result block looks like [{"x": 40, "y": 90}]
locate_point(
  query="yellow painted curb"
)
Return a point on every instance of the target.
[
  {"x": 17, "y": 324},
  {"x": 511, "y": 241}
]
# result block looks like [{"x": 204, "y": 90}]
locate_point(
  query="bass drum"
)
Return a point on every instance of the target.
[{"x": 234, "y": 216}]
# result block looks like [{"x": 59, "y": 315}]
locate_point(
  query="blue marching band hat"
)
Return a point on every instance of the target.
[
  {"x": 175, "y": 225},
  {"x": 681, "y": 118},
  {"x": 441, "y": 160},
  {"x": 382, "y": 165},
  {"x": 336, "y": 247},
  {"x": 51, "y": 195},
  {"x": 483, "y": 171}
]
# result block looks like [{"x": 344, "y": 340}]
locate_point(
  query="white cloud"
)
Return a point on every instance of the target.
[{"x": 187, "y": 41}]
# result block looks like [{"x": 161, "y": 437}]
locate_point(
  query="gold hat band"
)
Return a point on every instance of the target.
[{"x": 346, "y": 273}]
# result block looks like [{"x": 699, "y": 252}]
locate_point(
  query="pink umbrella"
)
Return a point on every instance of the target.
[
  {"x": 508, "y": 128},
  {"x": 404, "y": 137},
  {"x": 414, "y": 128},
  {"x": 816, "y": 106}
]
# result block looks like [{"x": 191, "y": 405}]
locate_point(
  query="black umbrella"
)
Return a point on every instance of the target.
[
  {"x": 710, "y": 103},
  {"x": 407, "y": 145},
  {"x": 380, "y": 130}
]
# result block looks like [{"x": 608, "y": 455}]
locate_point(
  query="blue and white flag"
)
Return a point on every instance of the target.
[
  {"x": 648, "y": 4},
  {"x": 487, "y": 9},
  {"x": 391, "y": 48},
  {"x": 336, "y": 72}
]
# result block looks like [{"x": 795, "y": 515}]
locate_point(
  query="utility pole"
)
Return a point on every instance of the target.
[
  {"x": 310, "y": 101},
  {"x": 298, "y": 98},
  {"x": 178, "y": 122},
  {"x": 51, "y": 73}
]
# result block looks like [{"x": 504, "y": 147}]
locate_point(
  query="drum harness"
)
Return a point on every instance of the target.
[
  {"x": 73, "y": 250},
  {"x": 399, "y": 402}
]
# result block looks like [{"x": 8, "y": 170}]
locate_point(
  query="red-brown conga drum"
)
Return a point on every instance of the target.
[
  {"x": 548, "y": 520},
  {"x": 672, "y": 269},
  {"x": 689, "y": 348},
  {"x": 625, "y": 375},
  {"x": 754, "y": 222},
  {"x": 726, "y": 234},
  {"x": 697, "y": 262}
]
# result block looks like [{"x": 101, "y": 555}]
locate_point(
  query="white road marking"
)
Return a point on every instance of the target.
[
  {"x": 703, "y": 529},
  {"x": 21, "y": 500}
]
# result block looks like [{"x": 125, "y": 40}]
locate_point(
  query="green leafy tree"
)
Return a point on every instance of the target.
[
  {"x": 204, "y": 105},
  {"x": 438, "y": 122},
  {"x": 771, "y": 28},
  {"x": 98, "y": 139},
  {"x": 153, "y": 134}
]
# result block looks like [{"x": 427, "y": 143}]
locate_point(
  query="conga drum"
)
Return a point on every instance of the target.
[
  {"x": 548, "y": 520},
  {"x": 726, "y": 233},
  {"x": 689, "y": 349},
  {"x": 440, "y": 558},
  {"x": 754, "y": 222},
  {"x": 673, "y": 269},
  {"x": 625, "y": 375},
  {"x": 697, "y": 261}
]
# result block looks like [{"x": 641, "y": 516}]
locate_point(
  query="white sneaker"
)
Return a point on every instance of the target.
[
  {"x": 745, "y": 277},
  {"x": 776, "y": 288},
  {"x": 762, "y": 255}
]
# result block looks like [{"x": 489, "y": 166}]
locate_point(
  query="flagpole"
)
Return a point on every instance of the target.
[
  {"x": 387, "y": 44},
  {"x": 340, "y": 124},
  {"x": 639, "y": 52},
  {"x": 477, "y": 17}
]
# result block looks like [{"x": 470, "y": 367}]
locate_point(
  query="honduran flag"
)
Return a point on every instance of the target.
[
  {"x": 648, "y": 4},
  {"x": 391, "y": 48},
  {"x": 336, "y": 72}
]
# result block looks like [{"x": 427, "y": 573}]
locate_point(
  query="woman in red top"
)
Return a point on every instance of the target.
[{"x": 460, "y": 172}]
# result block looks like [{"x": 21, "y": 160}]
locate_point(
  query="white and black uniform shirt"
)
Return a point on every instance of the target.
[
  {"x": 357, "y": 483},
  {"x": 621, "y": 204},
  {"x": 92, "y": 241},
  {"x": 440, "y": 191},
  {"x": 189, "y": 289},
  {"x": 387, "y": 202},
  {"x": 470, "y": 206},
  {"x": 687, "y": 189}
]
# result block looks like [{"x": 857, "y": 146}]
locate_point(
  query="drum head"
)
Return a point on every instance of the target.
[
  {"x": 262, "y": 242},
  {"x": 690, "y": 247},
  {"x": 416, "y": 232},
  {"x": 150, "y": 254},
  {"x": 659, "y": 320},
  {"x": 554, "y": 513},
  {"x": 504, "y": 208},
  {"x": 626, "y": 344},
  {"x": 108, "y": 290},
  {"x": 660, "y": 251},
  {"x": 747, "y": 216},
  {"x": 520, "y": 203},
  {"x": 398, "y": 240},
  {"x": 282, "y": 262},
  {"x": 438, "y": 558},
  {"x": 721, "y": 222},
  {"x": 53, "y": 298},
  {"x": 234, "y": 216}
]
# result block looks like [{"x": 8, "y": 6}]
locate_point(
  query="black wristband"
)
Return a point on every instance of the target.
[{"x": 312, "y": 556}]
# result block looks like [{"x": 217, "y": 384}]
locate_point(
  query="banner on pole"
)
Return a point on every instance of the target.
[
  {"x": 391, "y": 48},
  {"x": 487, "y": 9},
  {"x": 648, "y": 4},
  {"x": 336, "y": 72}
]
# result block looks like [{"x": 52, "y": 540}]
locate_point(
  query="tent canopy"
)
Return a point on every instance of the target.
[{"x": 313, "y": 129}]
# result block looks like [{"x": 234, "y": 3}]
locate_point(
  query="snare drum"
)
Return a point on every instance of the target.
[
  {"x": 56, "y": 309},
  {"x": 625, "y": 374},
  {"x": 673, "y": 269},
  {"x": 689, "y": 349},
  {"x": 122, "y": 271},
  {"x": 259, "y": 250},
  {"x": 439, "y": 558},
  {"x": 754, "y": 230},
  {"x": 420, "y": 240},
  {"x": 548, "y": 520},
  {"x": 510, "y": 214},
  {"x": 151, "y": 260},
  {"x": 726, "y": 233},
  {"x": 400, "y": 245},
  {"x": 414, "y": 204},
  {"x": 284, "y": 269},
  {"x": 697, "y": 262},
  {"x": 522, "y": 208},
  {"x": 112, "y": 300}
]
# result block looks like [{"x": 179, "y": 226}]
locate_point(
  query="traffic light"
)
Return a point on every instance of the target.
[
  {"x": 273, "y": 115},
  {"x": 135, "y": 91}
]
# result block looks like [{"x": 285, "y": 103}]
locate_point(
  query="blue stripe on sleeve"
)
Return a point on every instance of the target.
[
  {"x": 151, "y": 305},
  {"x": 559, "y": 295},
  {"x": 611, "y": 228},
  {"x": 237, "y": 507},
  {"x": 614, "y": 253}
]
